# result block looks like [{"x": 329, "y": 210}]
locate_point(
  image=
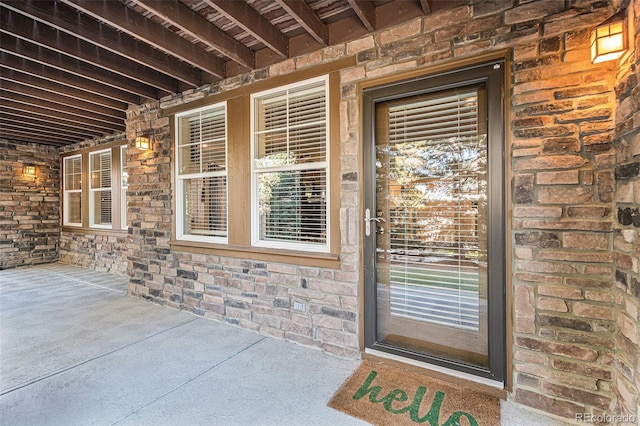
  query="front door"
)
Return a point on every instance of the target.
[{"x": 434, "y": 222}]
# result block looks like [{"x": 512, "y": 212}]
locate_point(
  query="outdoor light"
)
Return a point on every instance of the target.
[
  {"x": 609, "y": 39},
  {"x": 29, "y": 170},
  {"x": 143, "y": 142}
]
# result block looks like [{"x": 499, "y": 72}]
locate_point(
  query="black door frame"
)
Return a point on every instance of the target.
[{"x": 491, "y": 74}]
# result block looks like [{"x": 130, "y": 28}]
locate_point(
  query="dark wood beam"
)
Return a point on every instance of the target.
[
  {"x": 86, "y": 28},
  {"x": 52, "y": 86},
  {"x": 246, "y": 17},
  {"x": 56, "y": 76},
  {"x": 36, "y": 123},
  {"x": 366, "y": 11},
  {"x": 110, "y": 122},
  {"x": 426, "y": 6},
  {"x": 62, "y": 116},
  {"x": 307, "y": 18},
  {"x": 35, "y": 130},
  {"x": 62, "y": 100},
  {"x": 43, "y": 35},
  {"x": 125, "y": 19},
  {"x": 34, "y": 137},
  {"x": 199, "y": 28},
  {"x": 32, "y": 52}
]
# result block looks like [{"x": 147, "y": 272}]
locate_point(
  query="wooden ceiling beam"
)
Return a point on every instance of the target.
[
  {"x": 52, "y": 86},
  {"x": 22, "y": 120},
  {"x": 123, "y": 18},
  {"x": 201, "y": 29},
  {"x": 366, "y": 11},
  {"x": 24, "y": 136},
  {"x": 32, "y": 52},
  {"x": 59, "y": 107},
  {"x": 30, "y": 129},
  {"x": 45, "y": 36},
  {"x": 426, "y": 6},
  {"x": 56, "y": 76},
  {"x": 64, "y": 18},
  {"x": 246, "y": 17},
  {"x": 62, "y": 116},
  {"x": 307, "y": 18},
  {"x": 62, "y": 100}
]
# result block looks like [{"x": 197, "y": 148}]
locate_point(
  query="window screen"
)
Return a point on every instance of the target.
[
  {"x": 290, "y": 165},
  {"x": 73, "y": 190},
  {"x": 202, "y": 172},
  {"x": 100, "y": 188}
]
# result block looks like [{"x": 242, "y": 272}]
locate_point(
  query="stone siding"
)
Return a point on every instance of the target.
[
  {"x": 102, "y": 250},
  {"x": 626, "y": 242},
  {"x": 29, "y": 206},
  {"x": 573, "y": 353}
]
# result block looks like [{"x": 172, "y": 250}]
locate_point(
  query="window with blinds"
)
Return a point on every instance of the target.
[
  {"x": 72, "y": 214},
  {"x": 124, "y": 186},
  {"x": 202, "y": 174},
  {"x": 290, "y": 169},
  {"x": 100, "y": 189},
  {"x": 437, "y": 156}
]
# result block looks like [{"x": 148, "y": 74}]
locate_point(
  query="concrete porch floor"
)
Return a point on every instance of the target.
[{"x": 76, "y": 350}]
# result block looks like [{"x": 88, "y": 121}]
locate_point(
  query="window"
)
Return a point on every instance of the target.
[
  {"x": 100, "y": 189},
  {"x": 124, "y": 182},
  {"x": 95, "y": 188},
  {"x": 202, "y": 174},
  {"x": 72, "y": 191},
  {"x": 290, "y": 131}
]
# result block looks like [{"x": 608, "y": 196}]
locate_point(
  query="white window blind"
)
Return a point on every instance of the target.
[
  {"x": 437, "y": 161},
  {"x": 72, "y": 190},
  {"x": 290, "y": 135},
  {"x": 100, "y": 188},
  {"x": 124, "y": 186},
  {"x": 202, "y": 173}
]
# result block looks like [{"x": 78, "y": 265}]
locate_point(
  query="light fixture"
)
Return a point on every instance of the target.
[
  {"x": 143, "y": 142},
  {"x": 29, "y": 170},
  {"x": 609, "y": 39}
]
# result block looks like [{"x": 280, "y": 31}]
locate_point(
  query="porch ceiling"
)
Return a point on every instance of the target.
[{"x": 69, "y": 68}]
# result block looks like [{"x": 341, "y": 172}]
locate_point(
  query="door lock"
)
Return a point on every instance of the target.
[{"x": 367, "y": 221}]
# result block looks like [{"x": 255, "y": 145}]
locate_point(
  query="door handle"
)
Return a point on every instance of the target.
[{"x": 368, "y": 219}]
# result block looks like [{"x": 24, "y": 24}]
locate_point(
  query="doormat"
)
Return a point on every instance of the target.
[{"x": 384, "y": 395}]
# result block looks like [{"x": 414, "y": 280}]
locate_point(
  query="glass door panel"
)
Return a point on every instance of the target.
[{"x": 431, "y": 234}]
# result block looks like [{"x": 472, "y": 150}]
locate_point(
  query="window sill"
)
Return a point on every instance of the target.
[
  {"x": 321, "y": 260},
  {"x": 96, "y": 231}
]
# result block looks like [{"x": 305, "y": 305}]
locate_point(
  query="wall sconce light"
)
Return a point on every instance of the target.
[
  {"x": 29, "y": 170},
  {"x": 609, "y": 39},
  {"x": 143, "y": 142}
]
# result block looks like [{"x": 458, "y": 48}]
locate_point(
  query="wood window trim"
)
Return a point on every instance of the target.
[
  {"x": 239, "y": 173},
  {"x": 116, "y": 184}
]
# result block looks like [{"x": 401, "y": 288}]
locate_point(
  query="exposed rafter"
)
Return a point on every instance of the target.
[
  {"x": 64, "y": 77},
  {"x": 196, "y": 26},
  {"x": 124, "y": 19},
  {"x": 70, "y": 69},
  {"x": 426, "y": 6},
  {"x": 70, "y": 21},
  {"x": 246, "y": 17},
  {"x": 307, "y": 18},
  {"x": 35, "y": 53},
  {"x": 45, "y": 36},
  {"x": 366, "y": 11}
]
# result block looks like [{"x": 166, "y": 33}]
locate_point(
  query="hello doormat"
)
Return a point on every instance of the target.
[{"x": 384, "y": 395}]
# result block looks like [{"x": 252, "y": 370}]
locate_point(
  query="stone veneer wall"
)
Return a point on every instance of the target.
[
  {"x": 29, "y": 206},
  {"x": 626, "y": 243},
  {"x": 103, "y": 250},
  {"x": 562, "y": 182}
]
